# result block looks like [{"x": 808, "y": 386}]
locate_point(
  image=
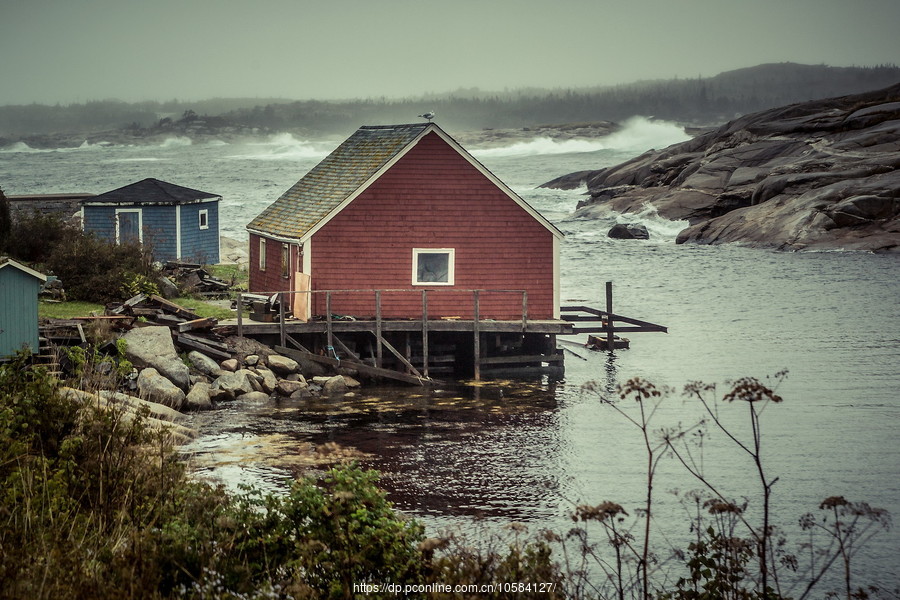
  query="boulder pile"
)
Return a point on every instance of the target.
[{"x": 200, "y": 382}]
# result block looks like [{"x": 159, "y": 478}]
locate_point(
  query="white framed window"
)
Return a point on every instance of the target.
[
  {"x": 204, "y": 218},
  {"x": 433, "y": 266},
  {"x": 262, "y": 254},
  {"x": 129, "y": 226}
]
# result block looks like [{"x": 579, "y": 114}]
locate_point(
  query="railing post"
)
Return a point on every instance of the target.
[
  {"x": 328, "y": 332},
  {"x": 281, "y": 318},
  {"x": 240, "y": 311},
  {"x": 378, "y": 351},
  {"x": 524, "y": 310},
  {"x": 476, "y": 333}
]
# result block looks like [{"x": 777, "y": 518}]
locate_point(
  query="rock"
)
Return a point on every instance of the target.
[
  {"x": 282, "y": 365},
  {"x": 286, "y": 387},
  {"x": 301, "y": 394},
  {"x": 251, "y": 360},
  {"x": 230, "y": 364},
  {"x": 198, "y": 397},
  {"x": 167, "y": 288},
  {"x": 257, "y": 397},
  {"x": 233, "y": 384},
  {"x": 351, "y": 382},
  {"x": 156, "y": 388},
  {"x": 311, "y": 369},
  {"x": 153, "y": 347},
  {"x": 335, "y": 385},
  {"x": 629, "y": 231},
  {"x": 204, "y": 364},
  {"x": 817, "y": 175},
  {"x": 269, "y": 381}
]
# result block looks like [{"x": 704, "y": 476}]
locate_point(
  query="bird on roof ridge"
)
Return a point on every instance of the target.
[{"x": 429, "y": 115}]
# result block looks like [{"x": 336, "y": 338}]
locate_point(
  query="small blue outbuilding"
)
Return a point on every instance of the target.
[
  {"x": 177, "y": 223},
  {"x": 19, "y": 287}
]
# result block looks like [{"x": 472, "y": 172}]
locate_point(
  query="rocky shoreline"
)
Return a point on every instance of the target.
[{"x": 819, "y": 175}]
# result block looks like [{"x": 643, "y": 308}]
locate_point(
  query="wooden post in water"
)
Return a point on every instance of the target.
[
  {"x": 425, "y": 333},
  {"x": 610, "y": 336}
]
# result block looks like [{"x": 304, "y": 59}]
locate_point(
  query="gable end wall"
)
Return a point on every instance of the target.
[{"x": 434, "y": 198}]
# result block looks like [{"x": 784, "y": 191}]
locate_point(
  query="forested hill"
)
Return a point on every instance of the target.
[{"x": 702, "y": 101}]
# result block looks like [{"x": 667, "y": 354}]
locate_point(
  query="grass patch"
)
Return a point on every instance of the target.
[
  {"x": 68, "y": 310},
  {"x": 238, "y": 277},
  {"x": 205, "y": 309}
]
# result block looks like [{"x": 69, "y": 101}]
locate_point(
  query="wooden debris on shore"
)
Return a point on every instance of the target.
[
  {"x": 195, "y": 279},
  {"x": 142, "y": 311}
]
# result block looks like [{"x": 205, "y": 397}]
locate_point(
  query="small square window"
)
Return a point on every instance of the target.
[
  {"x": 433, "y": 266},
  {"x": 204, "y": 219}
]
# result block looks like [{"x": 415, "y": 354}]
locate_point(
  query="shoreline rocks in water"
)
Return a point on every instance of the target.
[{"x": 817, "y": 175}]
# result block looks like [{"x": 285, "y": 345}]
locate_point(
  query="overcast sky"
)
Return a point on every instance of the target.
[{"x": 78, "y": 50}]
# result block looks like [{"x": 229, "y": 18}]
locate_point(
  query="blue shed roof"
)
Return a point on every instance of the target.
[{"x": 151, "y": 191}]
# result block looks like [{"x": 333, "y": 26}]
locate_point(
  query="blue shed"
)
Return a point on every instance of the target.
[
  {"x": 19, "y": 287},
  {"x": 177, "y": 223}
]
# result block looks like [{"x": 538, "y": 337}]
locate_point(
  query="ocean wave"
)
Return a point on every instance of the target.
[
  {"x": 542, "y": 145},
  {"x": 20, "y": 147},
  {"x": 638, "y": 134},
  {"x": 176, "y": 142},
  {"x": 659, "y": 228},
  {"x": 284, "y": 146}
]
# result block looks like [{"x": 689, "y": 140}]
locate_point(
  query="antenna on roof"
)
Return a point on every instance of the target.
[{"x": 429, "y": 115}]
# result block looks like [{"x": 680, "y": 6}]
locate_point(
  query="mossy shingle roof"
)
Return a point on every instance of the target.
[{"x": 335, "y": 179}]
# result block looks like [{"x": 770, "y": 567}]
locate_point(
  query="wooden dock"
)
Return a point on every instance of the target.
[{"x": 413, "y": 350}]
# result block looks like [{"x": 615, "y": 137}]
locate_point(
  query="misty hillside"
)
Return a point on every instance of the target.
[{"x": 701, "y": 101}]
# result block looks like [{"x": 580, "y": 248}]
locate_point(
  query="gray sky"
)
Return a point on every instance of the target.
[{"x": 79, "y": 50}]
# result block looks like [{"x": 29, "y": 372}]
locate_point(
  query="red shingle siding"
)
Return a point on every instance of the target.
[
  {"x": 434, "y": 198},
  {"x": 271, "y": 279}
]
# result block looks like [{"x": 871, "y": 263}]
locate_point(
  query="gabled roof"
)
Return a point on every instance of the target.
[
  {"x": 8, "y": 262},
  {"x": 347, "y": 172},
  {"x": 151, "y": 191}
]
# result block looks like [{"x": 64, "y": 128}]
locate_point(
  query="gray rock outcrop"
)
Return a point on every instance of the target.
[
  {"x": 816, "y": 175},
  {"x": 153, "y": 347},
  {"x": 153, "y": 386}
]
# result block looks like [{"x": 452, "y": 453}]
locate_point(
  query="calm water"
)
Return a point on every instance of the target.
[{"x": 530, "y": 452}]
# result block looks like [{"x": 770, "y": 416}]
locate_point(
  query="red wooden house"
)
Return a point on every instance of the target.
[{"x": 404, "y": 208}]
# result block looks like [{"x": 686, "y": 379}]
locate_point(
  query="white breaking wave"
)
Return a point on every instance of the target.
[
  {"x": 284, "y": 146},
  {"x": 638, "y": 134},
  {"x": 20, "y": 147},
  {"x": 176, "y": 142},
  {"x": 542, "y": 145}
]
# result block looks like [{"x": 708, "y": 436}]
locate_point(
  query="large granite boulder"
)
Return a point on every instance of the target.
[
  {"x": 155, "y": 387},
  {"x": 153, "y": 347},
  {"x": 817, "y": 175}
]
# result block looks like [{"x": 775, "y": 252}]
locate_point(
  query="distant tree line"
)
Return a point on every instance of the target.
[{"x": 701, "y": 101}]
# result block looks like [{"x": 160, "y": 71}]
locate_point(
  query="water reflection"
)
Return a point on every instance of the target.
[{"x": 478, "y": 449}]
